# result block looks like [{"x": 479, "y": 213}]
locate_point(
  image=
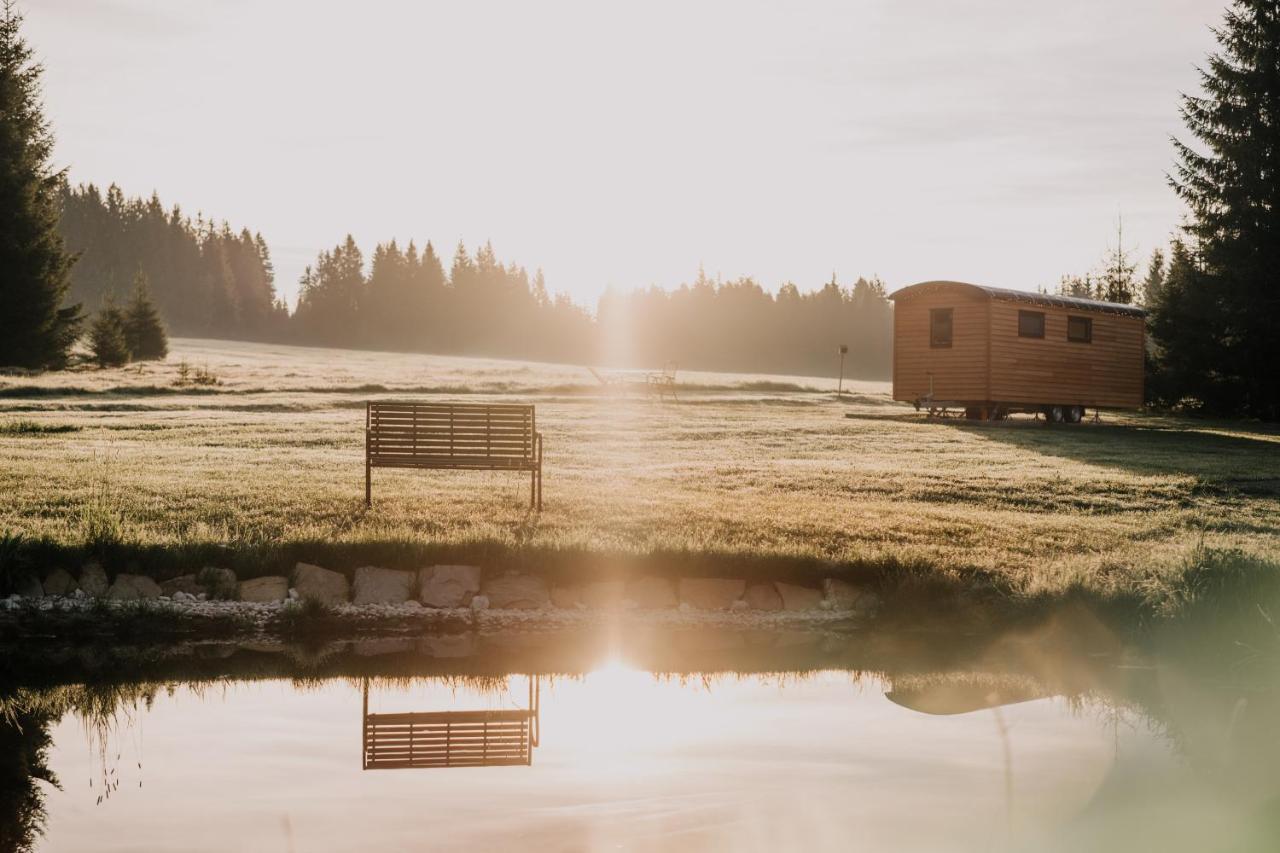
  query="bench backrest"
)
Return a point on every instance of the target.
[{"x": 422, "y": 431}]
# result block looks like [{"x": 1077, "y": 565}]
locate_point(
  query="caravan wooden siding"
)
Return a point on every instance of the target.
[
  {"x": 995, "y": 362},
  {"x": 1105, "y": 373},
  {"x": 960, "y": 368}
]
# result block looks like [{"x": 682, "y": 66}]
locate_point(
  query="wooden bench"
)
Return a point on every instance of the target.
[
  {"x": 453, "y": 437},
  {"x": 664, "y": 381},
  {"x": 502, "y": 738}
]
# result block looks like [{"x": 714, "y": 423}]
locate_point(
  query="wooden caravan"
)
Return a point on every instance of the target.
[{"x": 989, "y": 351}]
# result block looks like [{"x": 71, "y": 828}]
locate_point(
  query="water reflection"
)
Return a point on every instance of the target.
[
  {"x": 1053, "y": 737},
  {"x": 485, "y": 738}
]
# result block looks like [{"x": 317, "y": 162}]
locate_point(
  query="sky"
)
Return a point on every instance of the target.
[{"x": 625, "y": 145}]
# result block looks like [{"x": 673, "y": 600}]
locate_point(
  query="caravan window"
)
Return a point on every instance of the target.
[
  {"x": 1030, "y": 324},
  {"x": 940, "y": 327},
  {"x": 1080, "y": 330}
]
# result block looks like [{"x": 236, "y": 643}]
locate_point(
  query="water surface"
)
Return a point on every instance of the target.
[{"x": 1031, "y": 749}]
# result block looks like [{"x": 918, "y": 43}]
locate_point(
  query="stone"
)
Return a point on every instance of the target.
[
  {"x": 373, "y": 585},
  {"x": 448, "y": 586},
  {"x": 60, "y": 582},
  {"x": 186, "y": 584},
  {"x": 30, "y": 587},
  {"x": 479, "y": 602},
  {"x": 316, "y": 584},
  {"x": 184, "y": 597},
  {"x": 516, "y": 592},
  {"x": 218, "y": 584},
  {"x": 711, "y": 593},
  {"x": 842, "y": 595},
  {"x": 603, "y": 595},
  {"x": 739, "y": 605},
  {"x": 566, "y": 597},
  {"x": 133, "y": 588},
  {"x": 260, "y": 590},
  {"x": 93, "y": 580},
  {"x": 762, "y": 596},
  {"x": 652, "y": 593},
  {"x": 799, "y": 597}
]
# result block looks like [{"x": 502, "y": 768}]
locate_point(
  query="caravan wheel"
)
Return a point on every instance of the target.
[
  {"x": 1055, "y": 414},
  {"x": 1075, "y": 414}
]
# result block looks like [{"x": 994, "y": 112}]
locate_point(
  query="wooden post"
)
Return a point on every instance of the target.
[
  {"x": 364, "y": 729},
  {"x": 840, "y": 385},
  {"x": 368, "y": 468}
]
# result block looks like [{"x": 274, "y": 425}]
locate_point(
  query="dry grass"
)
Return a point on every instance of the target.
[{"x": 269, "y": 462}]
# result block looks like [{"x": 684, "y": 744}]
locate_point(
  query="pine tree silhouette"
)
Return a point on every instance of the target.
[
  {"x": 36, "y": 328},
  {"x": 143, "y": 330}
]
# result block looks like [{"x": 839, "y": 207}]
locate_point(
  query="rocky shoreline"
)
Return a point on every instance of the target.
[{"x": 381, "y": 600}]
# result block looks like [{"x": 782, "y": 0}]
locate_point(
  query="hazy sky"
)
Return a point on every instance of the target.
[{"x": 619, "y": 144}]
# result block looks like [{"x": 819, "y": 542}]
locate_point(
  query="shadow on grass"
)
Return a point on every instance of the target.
[{"x": 1246, "y": 459}]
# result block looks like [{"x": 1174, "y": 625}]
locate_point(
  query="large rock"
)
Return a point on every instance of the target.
[
  {"x": 799, "y": 597},
  {"x": 373, "y": 585},
  {"x": 711, "y": 593},
  {"x": 186, "y": 584},
  {"x": 448, "y": 586},
  {"x": 603, "y": 595},
  {"x": 316, "y": 584},
  {"x": 60, "y": 582},
  {"x": 260, "y": 590},
  {"x": 763, "y": 596},
  {"x": 842, "y": 595},
  {"x": 219, "y": 584},
  {"x": 652, "y": 593},
  {"x": 516, "y": 592},
  {"x": 93, "y": 580},
  {"x": 133, "y": 588}
]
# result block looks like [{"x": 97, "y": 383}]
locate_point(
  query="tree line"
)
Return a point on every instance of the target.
[{"x": 207, "y": 279}]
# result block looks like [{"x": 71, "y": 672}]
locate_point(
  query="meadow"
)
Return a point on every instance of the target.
[{"x": 148, "y": 470}]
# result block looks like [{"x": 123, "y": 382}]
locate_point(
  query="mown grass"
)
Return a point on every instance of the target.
[{"x": 745, "y": 475}]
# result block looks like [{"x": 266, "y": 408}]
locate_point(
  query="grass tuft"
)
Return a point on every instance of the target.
[{"x": 29, "y": 427}]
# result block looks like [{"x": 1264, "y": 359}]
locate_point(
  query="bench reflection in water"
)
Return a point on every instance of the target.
[{"x": 502, "y": 738}]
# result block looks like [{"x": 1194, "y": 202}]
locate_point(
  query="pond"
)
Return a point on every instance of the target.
[{"x": 642, "y": 739}]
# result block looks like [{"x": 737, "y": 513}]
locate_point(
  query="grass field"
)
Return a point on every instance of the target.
[{"x": 743, "y": 472}]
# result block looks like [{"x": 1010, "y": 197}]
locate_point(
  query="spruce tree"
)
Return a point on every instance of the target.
[
  {"x": 36, "y": 329},
  {"x": 144, "y": 332},
  {"x": 1231, "y": 183},
  {"x": 107, "y": 337}
]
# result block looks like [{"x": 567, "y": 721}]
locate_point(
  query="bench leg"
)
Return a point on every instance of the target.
[
  {"x": 533, "y": 488},
  {"x": 368, "y": 485},
  {"x": 539, "y": 488}
]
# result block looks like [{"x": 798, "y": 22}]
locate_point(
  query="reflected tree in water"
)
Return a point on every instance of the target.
[{"x": 24, "y": 749}]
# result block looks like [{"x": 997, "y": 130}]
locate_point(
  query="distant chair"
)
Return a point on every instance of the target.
[
  {"x": 663, "y": 382},
  {"x": 502, "y": 738}
]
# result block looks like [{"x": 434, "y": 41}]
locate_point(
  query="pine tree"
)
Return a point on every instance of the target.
[
  {"x": 1116, "y": 281},
  {"x": 107, "y": 337},
  {"x": 143, "y": 330},
  {"x": 36, "y": 329},
  {"x": 1233, "y": 192}
]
